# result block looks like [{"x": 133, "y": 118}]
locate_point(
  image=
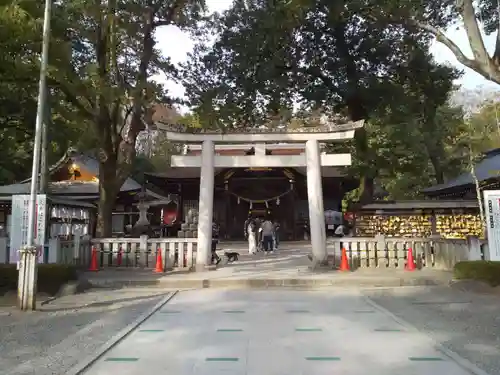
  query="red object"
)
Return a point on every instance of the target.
[
  {"x": 169, "y": 218},
  {"x": 159, "y": 262},
  {"x": 410, "y": 262},
  {"x": 93, "y": 261},
  {"x": 349, "y": 216},
  {"x": 119, "y": 257},
  {"x": 344, "y": 263}
]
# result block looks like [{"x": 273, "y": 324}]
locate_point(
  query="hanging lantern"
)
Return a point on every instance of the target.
[
  {"x": 238, "y": 200},
  {"x": 226, "y": 185},
  {"x": 251, "y": 205},
  {"x": 267, "y": 205},
  {"x": 278, "y": 201}
]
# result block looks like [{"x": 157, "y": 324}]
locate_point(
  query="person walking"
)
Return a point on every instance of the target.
[
  {"x": 267, "y": 236},
  {"x": 252, "y": 248},
  {"x": 215, "y": 240},
  {"x": 276, "y": 235},
  {"x": 258, "y": 233},
  {"x": 246, "y": 224}
]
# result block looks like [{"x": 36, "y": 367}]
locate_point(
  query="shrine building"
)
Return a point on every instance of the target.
[{"x": 278, "y": 191}]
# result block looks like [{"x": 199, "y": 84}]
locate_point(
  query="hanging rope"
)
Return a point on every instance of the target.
[{"x": 276, "y": 198}]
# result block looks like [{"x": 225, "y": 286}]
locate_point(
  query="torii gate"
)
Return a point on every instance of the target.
[{"x": 313, "y": 160}]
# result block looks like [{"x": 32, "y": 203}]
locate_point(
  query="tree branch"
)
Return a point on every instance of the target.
[
  {"x": 452, "y": 46},
  {"x": 471, "y": 26},
  {"x": 496, "y": 54},
  {"x": 72, "y": 98}
]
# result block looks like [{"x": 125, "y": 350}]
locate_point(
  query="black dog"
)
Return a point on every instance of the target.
[{"x": 232, "y": 256}]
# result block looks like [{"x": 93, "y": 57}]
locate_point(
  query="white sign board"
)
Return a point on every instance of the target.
[
  {"x": 492, "y": 212},
  {"x": 19, "y": 224}
]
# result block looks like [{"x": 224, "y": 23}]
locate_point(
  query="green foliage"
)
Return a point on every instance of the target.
[
  {"x": 483, "y": 128},
  {"x": 333, "y": 57},
  {"x": 487, "y": 271},
  {"x": 50, "y": 277}
]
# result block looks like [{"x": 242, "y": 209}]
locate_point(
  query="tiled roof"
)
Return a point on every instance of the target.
[
  {"x": 487, "y": 168},
  {"x": 88, "y": 163},
  {"x": 65, "y": 188}
]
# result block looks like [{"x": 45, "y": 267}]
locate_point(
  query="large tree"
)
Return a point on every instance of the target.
[
  {"x": 103, "y": 55},
  {"x": 269, "y": 58}
]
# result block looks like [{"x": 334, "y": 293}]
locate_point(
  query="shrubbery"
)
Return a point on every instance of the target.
[
  {"x": 50, "y": 277},
  {"x": 481, "y": 270}
]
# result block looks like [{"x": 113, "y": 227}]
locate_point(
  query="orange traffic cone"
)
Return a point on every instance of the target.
[
  {"x": 410, "y": 262},
  {"x": 119, "y": 257},
  {"x": 344, "y": 263},
  {"x": 93, "y": 260},
  {"x": 159, "y": 262}
]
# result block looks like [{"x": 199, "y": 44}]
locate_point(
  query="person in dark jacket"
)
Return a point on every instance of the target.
[
  {"x": 215, "y": 240},
  {"x": 276, "y": 234}
]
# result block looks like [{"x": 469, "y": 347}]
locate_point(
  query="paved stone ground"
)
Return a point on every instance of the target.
[
  {"x": 271, "y": 332},
  {"x": 54, "y": 339},
  {"x": 467, "y": 323}
]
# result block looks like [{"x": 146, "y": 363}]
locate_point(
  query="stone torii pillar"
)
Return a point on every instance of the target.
[
  {"x": 206, "y": 205},
  {"x": 315, "y": 200}
]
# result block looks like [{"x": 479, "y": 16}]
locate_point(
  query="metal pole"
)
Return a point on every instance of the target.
[
  {"x": 43, "y": 164},
  {"x": 27, "y": 269}
]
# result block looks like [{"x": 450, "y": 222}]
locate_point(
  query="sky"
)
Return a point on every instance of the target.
[{"x": 176, "y": 44}]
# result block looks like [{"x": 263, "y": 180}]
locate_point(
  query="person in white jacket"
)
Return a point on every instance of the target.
[{"x": 252, "y": 248}]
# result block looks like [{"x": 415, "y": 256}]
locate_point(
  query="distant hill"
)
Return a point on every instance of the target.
[{"x": 471, "y": 100}]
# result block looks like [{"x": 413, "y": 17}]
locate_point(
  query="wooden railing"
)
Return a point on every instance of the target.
[
  {"x": 381, "y": 252},
  {"x": 176, "y": 253}
]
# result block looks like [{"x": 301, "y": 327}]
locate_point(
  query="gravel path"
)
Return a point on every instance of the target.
[
  {"x": 466, "y": 323},
  {"x": 53, "y": 340}
]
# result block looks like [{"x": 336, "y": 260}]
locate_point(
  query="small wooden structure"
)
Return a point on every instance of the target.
[{"x": 73, "y": 194}]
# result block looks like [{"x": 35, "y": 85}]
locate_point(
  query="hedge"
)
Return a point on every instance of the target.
[
  {"x": 482, "y": 270},
  {"x": 50, "y": 277}
]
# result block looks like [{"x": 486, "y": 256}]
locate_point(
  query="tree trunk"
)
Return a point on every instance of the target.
[
  {"x": 366, "y": 189},
  {"x": 107, "y": 197},
  {"x": 436, "y": 165},
  {"x": 366, "y": 186}
]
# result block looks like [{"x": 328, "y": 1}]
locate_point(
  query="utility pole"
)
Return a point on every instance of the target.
[
  {"x": 26, "y": 293},
  {"x": 44, "y": 169}
]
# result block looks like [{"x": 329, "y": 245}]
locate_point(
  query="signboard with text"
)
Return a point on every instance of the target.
[
  {"x": 492, "y": 213},
  {"x": 19, "y": 224}
]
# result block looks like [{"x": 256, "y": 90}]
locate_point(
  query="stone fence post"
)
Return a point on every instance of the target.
[
  {"x": 4, "y": 251},
  {"x": 474, "y": 248}
]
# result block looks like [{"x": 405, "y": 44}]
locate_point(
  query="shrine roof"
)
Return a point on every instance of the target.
[
  {"x": 64, "y": 188},
  {"x": 486, "y": 169},
  {"x": 88, "y": 163},
  {"x": 419, "y": 205}
]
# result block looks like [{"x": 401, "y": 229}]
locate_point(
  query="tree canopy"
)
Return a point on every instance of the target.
[{"x": 270, "y": 60}]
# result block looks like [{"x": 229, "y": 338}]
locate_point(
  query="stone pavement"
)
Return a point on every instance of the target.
[
  {"x": 289, "y": 267},
  {"x": 271, "y": 332},
  {"x": 53, "y": 339},
  {"x": 466, "y": 323}
]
